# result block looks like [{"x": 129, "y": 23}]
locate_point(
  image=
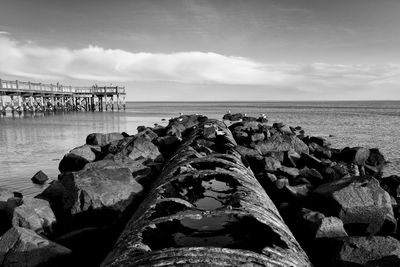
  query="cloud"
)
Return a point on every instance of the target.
[{"x": 94, "y": 63}]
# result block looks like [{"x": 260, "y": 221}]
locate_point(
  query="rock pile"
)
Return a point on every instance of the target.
[
  {"x": 335, "y": 201},
  {"x": 197, "y": 193}
]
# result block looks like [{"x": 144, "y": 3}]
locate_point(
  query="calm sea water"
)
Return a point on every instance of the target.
[{"x": 37, "y": 142}]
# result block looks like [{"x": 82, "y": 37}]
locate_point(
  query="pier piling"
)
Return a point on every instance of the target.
[{"x": 18, "y": 96}]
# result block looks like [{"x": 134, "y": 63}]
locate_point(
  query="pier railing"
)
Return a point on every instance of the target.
[{"x": 30, "y": 87}]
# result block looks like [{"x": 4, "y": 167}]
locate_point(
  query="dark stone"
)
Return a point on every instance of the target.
[
  {"x": 255, "y": 137},
  {"x": 356, "y": 155},
  {"x": 289, "y": 172},
  {"x": 78, "y": 157},
  {"x": 375, "y": 162},
  {"x": 99, "y": 139},
  {"x": 24, "y": 247},
  {"x": 312, "y": 175},
  {"x": 144, "y": 149},
  {"x": 392, "y": 185},
  {"x": 319, "y": 141},
  {"x": 179, "y": 126},
  {"x": 39, "y": 178},
  {"x": 362, "y": 205},
  {"x": 369, "y": 251},
  {"x": 34, "y": 214},
  {"x": 109, "y": 187}
]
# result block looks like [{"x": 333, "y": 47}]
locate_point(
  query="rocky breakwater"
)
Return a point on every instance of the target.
[
  {"x": 335, "y": 201},
  {"x": 206, "y": 209},
  {"x": 76, "y": 220}
]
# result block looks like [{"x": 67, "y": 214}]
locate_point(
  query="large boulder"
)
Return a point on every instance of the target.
[
  {"x": 107, "y": 186},
  {"x": 362, "y": 205},
  {"x": 100, "y": 139},
  {"x": 34, "y": 214},
  {"x": 383, "y": 251},
  {"x": 23, "y": 247},
  {"x": 143, "y": 148},
  {"x": 78, "y": 157},
  {"x": 39, "y": 178}
]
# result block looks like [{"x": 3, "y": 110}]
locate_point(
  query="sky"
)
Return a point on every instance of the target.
[{"x": 208, "y": 50}]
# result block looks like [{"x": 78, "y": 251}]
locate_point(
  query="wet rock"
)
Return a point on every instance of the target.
[
  {"x": 34, "y": 214},
  {"x": 144, "y": 149},
  {"x": 362, "y": 205},
  {"x": 23, "y": 247},
  {"x": 100, "y": 139},
  {"x": 369, "y": 251},
  {"x": 291, "y": 158},
  {"x": 334, "y": 173},
  {"x": 78, "y": 157},
  {"x": 209, "y": 132},
  {"x": 39, "y": 178},
  {"x": 107, "y": 187}
]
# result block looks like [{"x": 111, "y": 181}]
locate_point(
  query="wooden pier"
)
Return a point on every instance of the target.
[{"x": 19, "y": 97}]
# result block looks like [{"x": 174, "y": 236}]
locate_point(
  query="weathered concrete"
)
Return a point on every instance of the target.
[{"x": 207, "y": 209}]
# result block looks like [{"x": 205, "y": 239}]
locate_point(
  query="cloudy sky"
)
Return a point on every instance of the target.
[{"x": 196, "y": 50}]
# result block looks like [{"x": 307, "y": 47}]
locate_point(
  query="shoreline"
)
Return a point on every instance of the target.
[{"x": 296, "y": 172}]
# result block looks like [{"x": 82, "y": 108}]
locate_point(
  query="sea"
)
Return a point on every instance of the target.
[{"x": 33, "y": 142}]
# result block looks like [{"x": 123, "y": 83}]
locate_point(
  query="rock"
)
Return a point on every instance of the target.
[
  {"x": 334, "y": 173},
  {"x": 255, "y": 137},
  {"x": 143, "y": 148},
  {"x": 319, "y": 151},
  {"x": 376, "y": 161},
  {"x": 233, "y": 117},
  {"x": 4, "y": 196},
  {"x": 123, "y": 146},
  {"x": 298, "y": 191},
  {"x": 291, "y": 158},
  {"x": 271, "y": 164},
  {"x": 209, "y": 132},
  {"x": 39, "y": 178},
  {"x": 99, "y": 139},
  {"x": 281, "y": 142},
  {"x": 178, "y": 126},
  {"x": 241, "y": 137},
  {"x": 330, "y": 227},
  {"x": 320, "y": 141},
  {"x": 108, "y": 187},
  {"x": 312, "y": 175},
  {"x": 369, "y": 251},
  {"x": 281, "y": 183},
  {"x": 147, "y": 133},
  {"x": 356, "y": 155},
  {"x": 271, "y": 177},
  {"x": 24, "y": 247},
  {"x": 78, "y": 157},
  {"x": 34, "y": 214},
  {"x": 392, "y": 185},
  {"x": 289, "y": 172},
  {"x": 362, "y": 205},
  {"x": 311, "y": 161}
]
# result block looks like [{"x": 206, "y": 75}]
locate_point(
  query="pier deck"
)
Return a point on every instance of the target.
[{"x": 19, "y": 96}]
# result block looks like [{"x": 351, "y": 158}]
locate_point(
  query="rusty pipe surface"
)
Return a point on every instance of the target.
[{"x": 207, "y": 209}]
